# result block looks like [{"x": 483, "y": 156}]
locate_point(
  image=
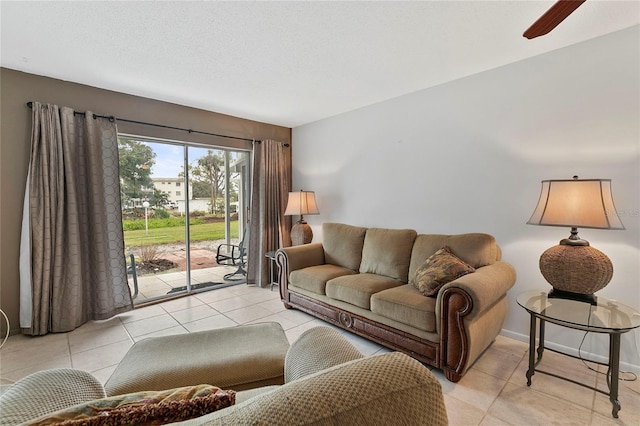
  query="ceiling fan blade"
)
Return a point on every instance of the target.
[{"x": 552, "y": 17}]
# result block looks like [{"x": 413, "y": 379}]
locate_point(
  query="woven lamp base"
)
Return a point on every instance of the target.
[
  {"x": 301, "y": 233},
  {"x": 576, "y": 269}
]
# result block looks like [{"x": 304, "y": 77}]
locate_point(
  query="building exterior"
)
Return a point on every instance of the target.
[{"x": 174, "y": 187}]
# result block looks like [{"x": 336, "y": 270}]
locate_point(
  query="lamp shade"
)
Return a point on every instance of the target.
[
  {"x": 576, "y": 203},
  {"x": 574, "y": 269},
  {"x": 301, "y": 203}
]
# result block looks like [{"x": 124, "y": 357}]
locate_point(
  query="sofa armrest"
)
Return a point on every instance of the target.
[
  {"x": 47, "y": 391},
  {"x": 391, "y": 388},
  {"x": 298, "y": 257},
  {"x": 485, "y": 286},
  {"x": 317, "y": 349},
  {"x": 470, "y": 313},
  {"x": 303, "y": 256}
]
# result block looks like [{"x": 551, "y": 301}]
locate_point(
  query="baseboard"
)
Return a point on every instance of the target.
[{"x": 624, "y": 366}]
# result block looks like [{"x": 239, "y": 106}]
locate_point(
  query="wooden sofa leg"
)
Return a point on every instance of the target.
[{"x": 452, "y": 376}]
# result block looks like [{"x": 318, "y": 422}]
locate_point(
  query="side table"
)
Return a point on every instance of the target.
[
  {"x": 605, "y": 316},
  {"x": 273, "y": 278}
]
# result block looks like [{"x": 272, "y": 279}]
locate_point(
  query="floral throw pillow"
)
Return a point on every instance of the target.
[
  {"x": 440, "y": 268},
  {"x": 144, "y": 408}
]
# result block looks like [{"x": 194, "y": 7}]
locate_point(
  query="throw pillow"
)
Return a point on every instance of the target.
[
  {"x": 144, "y": 408},
  {"x": 440, "y": 268}
]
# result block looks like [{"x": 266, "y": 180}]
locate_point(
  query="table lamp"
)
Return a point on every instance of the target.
[
  {"x": 574, "y": 269},
  {"x": 301, "y": 203}
]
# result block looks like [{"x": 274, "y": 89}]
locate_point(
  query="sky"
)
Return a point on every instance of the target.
[{"x": 170, "y": 159}]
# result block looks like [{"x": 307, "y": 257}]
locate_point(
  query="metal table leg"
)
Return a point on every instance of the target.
[
  {"x": 613, "y": 372},
  {"x": 541, "y": 340},
  {"x": 532, "y": 348}
]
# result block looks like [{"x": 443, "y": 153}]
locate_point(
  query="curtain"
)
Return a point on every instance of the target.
[
  {"x": 72, "y": 256},
  {"x": 268, "y": 227}
]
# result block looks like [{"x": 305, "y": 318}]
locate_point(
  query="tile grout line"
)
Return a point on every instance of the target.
[
  {"x": 507, "y": 381},
  {"x": 125, "y": 329},
  {"x": 69, "y": 349},
  {"x": 180, "y": 322}
]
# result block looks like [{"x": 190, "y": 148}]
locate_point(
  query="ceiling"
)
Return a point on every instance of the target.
[{"x": 285, "y": 63}]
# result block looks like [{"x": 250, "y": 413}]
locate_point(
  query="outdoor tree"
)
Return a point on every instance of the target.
[
  {"x": 200, "y": 189},
  {"x": 159, "y": 198},
  {"x": 209, "y": 170},
  {"x": 136, "y": 161}
]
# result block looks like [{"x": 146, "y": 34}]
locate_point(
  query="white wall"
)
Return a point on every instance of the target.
[{"x": 468, "y": 156}]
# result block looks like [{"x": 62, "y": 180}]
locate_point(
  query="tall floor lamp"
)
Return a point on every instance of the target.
[
  {"x": 301, "y": 203},
  {"x": 574, "y": 269}
]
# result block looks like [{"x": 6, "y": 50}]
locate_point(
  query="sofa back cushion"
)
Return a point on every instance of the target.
[
  {"x": 388, "y": 252},
  {"x": 343, "y": 244},
  {"x": 476, "y": 249}
]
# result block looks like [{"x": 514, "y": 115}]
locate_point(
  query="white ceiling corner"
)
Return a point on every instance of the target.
[{"x": 285, "y": 63}]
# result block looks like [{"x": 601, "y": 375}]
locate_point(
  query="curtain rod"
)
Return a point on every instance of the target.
[{"x": 112, "y": 118}]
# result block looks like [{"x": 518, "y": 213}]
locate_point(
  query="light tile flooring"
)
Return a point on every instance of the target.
[{"x": 493, "y": 392}]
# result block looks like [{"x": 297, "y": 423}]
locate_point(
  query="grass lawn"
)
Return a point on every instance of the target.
[{"x": 175, "y": 234}]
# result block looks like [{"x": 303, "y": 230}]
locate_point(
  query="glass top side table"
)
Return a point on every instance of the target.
[{"x": 605, "y": 316}]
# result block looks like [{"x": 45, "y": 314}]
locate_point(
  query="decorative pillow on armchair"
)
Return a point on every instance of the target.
[
  {"x": 440, "y": 268},
  {"x": 144, "y": 408}
]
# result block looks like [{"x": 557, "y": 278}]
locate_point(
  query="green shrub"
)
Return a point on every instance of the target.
[
  {"x": 161, "y": 214},
  {"x": 132, "y": 225},
  {"x": 154, "y": 223}
]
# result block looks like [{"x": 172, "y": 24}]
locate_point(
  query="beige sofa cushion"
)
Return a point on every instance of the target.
[
  {"x": 406, "y": 305},
  {"x": 314, "y": 278},
  {"x": 388, "y": 252},
  {"x": 476, "y": 249},
  {"x": 343, "y": 244},
  {"x": 357, "y": 289}
]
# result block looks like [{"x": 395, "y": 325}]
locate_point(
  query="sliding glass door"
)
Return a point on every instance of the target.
[
  {"x": 184, "y": 208},
  {"x": 217, "y": 208}
]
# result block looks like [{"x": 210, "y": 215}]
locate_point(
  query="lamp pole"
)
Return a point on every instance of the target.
[{"x": 146, "y": 217}]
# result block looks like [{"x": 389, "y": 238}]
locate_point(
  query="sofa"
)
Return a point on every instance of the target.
[
  {"x": 403, "y": 290},
  {"x": 327, "y": 382}
]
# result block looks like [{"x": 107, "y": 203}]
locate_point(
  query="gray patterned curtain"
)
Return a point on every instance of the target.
[
  {"x": 72, "y": 252},
  {"x": 268, "y": 227}
]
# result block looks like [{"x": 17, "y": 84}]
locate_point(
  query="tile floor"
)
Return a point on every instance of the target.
[{"x": 493, "y": 392}]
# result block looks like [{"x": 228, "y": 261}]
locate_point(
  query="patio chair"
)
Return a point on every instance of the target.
[{"x": 234, "y": 255}]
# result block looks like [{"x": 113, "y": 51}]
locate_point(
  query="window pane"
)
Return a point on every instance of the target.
[{"x": 155, "y": 216}]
